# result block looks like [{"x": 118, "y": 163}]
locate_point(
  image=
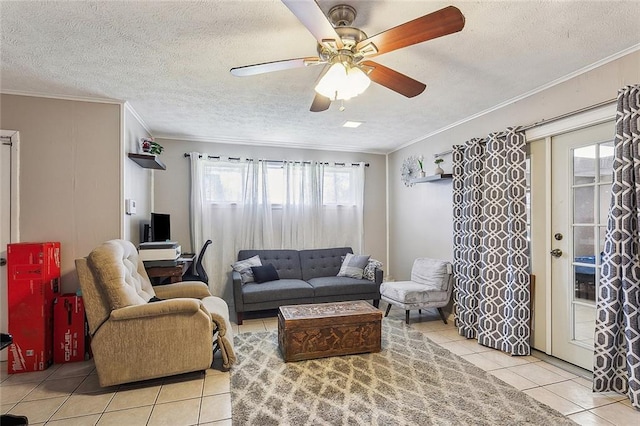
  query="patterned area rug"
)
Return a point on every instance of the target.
[{"x": 413, "y": 381}]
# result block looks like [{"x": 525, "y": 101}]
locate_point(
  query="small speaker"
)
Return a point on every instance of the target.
[{"x": 145, "y": 232}]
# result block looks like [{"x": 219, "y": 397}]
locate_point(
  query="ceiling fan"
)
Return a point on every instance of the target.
[{"x": 345, "y": 51}]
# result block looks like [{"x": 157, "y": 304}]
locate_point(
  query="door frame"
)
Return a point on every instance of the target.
[
  {"x": 545, "y": 131},
  {"x": 13, "y": 137}
]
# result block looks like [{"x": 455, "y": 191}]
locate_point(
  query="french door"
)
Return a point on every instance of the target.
[{"x": 581, "y": 173}]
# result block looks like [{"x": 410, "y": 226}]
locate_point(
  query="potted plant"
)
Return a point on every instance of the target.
[
  {"x": 438, "y": 170},
  {"x": 421, "y": 165},
  {"x": 150, "y": 146}
]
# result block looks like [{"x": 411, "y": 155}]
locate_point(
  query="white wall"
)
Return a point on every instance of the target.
[
  {"x": 69, "y": 173},
  {"x": 137, "y": 180},
  {"x": 421, "y": 217}
]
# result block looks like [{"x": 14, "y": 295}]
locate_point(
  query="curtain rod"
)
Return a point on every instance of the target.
[
  {"x": 549, "y": 120},
  {"x": 217, "y": 157}
]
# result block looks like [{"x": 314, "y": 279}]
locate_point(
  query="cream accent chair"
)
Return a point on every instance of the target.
[
  {"x": 132, "y": 339},
  {"x": 430, "y": 287}
]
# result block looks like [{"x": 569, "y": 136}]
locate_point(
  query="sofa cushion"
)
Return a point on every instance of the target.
[
  {"x": 370, "y": 270},
  {"x": 286, "y": 262},
  {"x": 353, "y": 266},
  {"x": 265, "y": 273},
  {"x": 243, "y": 267},
  {"x": 335, "y": 286},
  {"x": 432, "y": 273},
  {"x": 412, "y": 293},
  {"x": 283, "y": 289},
  {"x": 322, "y": 262}
]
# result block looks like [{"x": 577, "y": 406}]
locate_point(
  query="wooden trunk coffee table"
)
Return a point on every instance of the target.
[{"x": 328, "y": 329}]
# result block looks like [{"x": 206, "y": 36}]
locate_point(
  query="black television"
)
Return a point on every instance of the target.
[{"x": 160, "y": 227}]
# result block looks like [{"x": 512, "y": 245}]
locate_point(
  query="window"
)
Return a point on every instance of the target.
[
  {"x": 224, "y": 183},
  {"x": 338, "y": 186}
]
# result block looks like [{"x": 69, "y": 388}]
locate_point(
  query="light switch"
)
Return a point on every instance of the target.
[{"x": 130, "y": 207}]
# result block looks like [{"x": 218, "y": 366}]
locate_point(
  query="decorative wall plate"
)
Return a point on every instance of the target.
[{"x": 410, "y": 170}]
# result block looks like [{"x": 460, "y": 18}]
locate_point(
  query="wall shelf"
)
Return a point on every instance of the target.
[
  {"x": 148, "y": 161},
  {"x": 432, "y": 178}
]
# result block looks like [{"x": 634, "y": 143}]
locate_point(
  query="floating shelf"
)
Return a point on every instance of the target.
[
  {"x": 148, "y": 161},
  {"x": 432, "y": 178}
]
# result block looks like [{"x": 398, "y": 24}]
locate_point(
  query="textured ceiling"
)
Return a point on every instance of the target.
[{"x": 171, "y": 61}]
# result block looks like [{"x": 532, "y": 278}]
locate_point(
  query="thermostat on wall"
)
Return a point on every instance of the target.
[{"x": 130, "y": 206}]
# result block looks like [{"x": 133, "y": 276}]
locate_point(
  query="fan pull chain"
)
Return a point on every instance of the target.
[{"x": 342, "y": 108}]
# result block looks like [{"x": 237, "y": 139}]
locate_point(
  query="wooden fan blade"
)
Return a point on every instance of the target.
[
  {"x": 320, "y": 103},
  {"x": 437, "y": 24},
  {"x": 309, "y": 13},
  {"x": 394, "y": 80},
  {"x": 274, "y": 66}
]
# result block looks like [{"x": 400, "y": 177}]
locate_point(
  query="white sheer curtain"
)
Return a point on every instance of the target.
[
  {"x": 229, "y": 205},
  {"x": 301, "y": 204},
  {"x": 257, "y": 228},
  {"x": 343, "y": 208},
  {"x": 261, "y": 205},
  {"x": 323, "y": 206}
]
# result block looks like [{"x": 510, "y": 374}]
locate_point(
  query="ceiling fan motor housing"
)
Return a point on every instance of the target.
[
  {"x": 350, "y": 37},
  {"x": 342, "y": 15}
]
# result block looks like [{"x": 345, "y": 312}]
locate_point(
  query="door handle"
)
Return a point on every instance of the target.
[
  {"x": 556, "y": 252},
  {"x": 3, "y": 261}
]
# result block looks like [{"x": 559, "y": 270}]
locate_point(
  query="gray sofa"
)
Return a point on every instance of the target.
[{"x": 306, "y": 276}]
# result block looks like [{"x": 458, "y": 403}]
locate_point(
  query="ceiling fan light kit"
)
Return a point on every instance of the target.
[
  {"x": 343, "y": 81},
  {"x": 346, "y": 51}
]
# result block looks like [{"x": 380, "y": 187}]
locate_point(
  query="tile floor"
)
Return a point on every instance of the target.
[{"x": 69, "y": 394}]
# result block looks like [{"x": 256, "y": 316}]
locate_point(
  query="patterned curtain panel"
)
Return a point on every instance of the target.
[
  {"x": 491, "y": 252},
  {"x": 617, "y": 335}
]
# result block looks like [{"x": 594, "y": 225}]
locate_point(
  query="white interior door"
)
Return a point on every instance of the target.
[{"x": 581, "y": 189}]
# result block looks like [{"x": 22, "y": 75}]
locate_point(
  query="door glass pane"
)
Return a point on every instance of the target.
[
  {"x": 585, "y": 324},
  {"x": 606, "y": 161},
  {"x": 583, "y": 204},
  {"x": 602, "y": 231},
  {"x": 585, "y": 282},
  {"x": 605, "y": 202},
  {"x": 583, "y": 242},
  {"x": 584, "y": 165}
]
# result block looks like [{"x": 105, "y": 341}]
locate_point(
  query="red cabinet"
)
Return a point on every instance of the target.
[{"x": 33, "y": 271}]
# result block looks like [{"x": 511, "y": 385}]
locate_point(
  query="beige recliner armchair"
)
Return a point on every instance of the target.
[{"x": 133, "y": 339}]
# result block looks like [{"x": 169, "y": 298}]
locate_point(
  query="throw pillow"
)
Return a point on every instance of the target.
[
  {"x": 353, "y": 266},
  {"x": 243, "y": 267},
  {"x": 265, "y": 273},
  {"x": 370, "y": 270}
]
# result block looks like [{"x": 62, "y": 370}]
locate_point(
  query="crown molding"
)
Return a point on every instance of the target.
[
  {"x": 129, "y": 107},
  {"x": 63, "y": 97},
  {"x": 272, "y": 144},
  {"x": 542, "y": 88}
]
